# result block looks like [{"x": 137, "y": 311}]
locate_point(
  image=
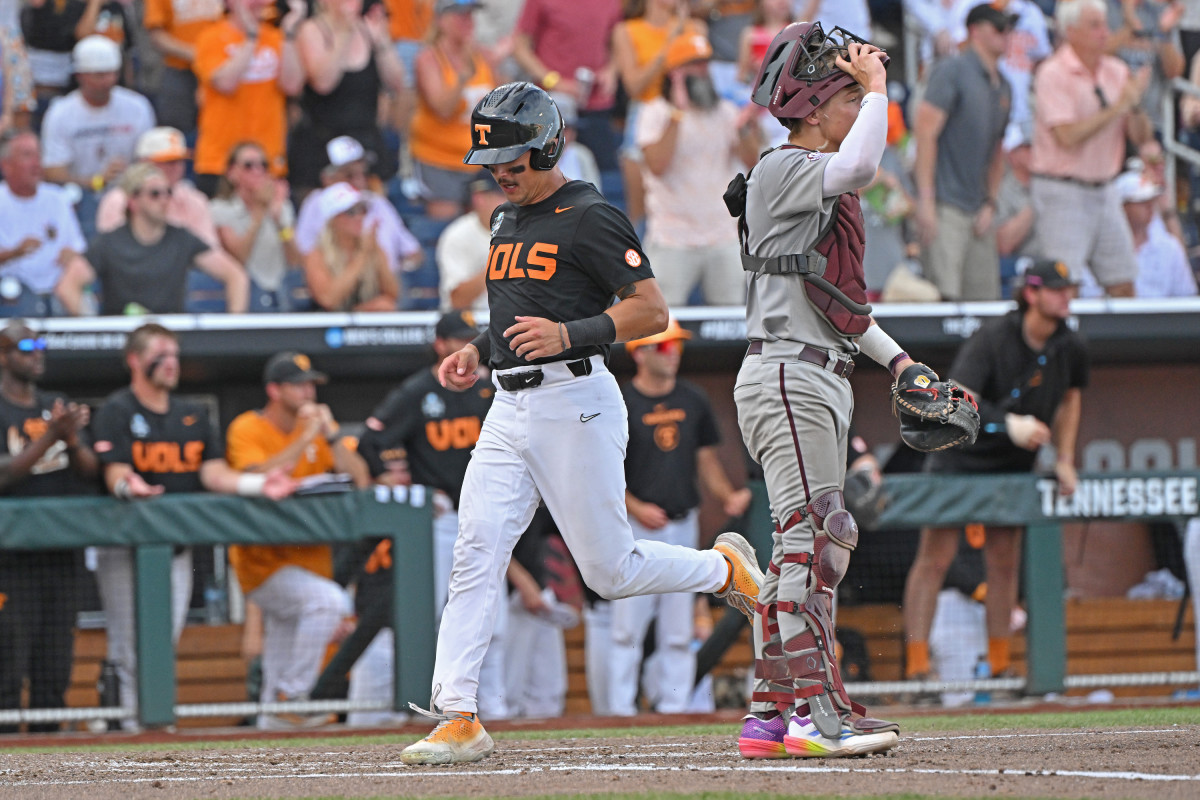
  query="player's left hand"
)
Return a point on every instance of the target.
[
  {"x": 1068, "y": 478},
  {"x": 737, "y": 503},
  {"x": 535, "y": 337},
  {"x": 278, "y": 484},
  {"x": 458, "y": 370}
]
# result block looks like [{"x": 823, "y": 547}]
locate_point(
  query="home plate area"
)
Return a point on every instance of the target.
[{"x": 1159, "y": 763}]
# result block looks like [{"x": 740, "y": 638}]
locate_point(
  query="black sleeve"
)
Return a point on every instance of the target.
[
  {"x": 112, "y": 439},
  {"x": 214, "y": 440},
  {"x": 608, "y": 249},
  {"x": 191, "y": 244},
  {"x": 1080, "y": 364},
  {"x": 391, "y": 423},
  {"x": 707, "y": 431},
  {"x": 974, "y": 368}
]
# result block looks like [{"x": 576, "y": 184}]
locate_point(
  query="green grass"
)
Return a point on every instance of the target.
[{"x": 1056, "y": 720}]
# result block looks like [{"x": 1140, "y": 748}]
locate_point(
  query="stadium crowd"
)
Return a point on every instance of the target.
[
  {"x": 313, "y": 151},
  {"x": 188, "y": 155}
]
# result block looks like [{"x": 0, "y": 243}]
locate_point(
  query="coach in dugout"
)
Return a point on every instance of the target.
[
  {"x": 151, "y": 442},
  {"x": 291, "y": 584},
  {"x": 44, "y": 452}
]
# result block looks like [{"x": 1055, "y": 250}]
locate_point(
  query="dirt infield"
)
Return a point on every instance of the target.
[{"x": 1159, "y": 762}]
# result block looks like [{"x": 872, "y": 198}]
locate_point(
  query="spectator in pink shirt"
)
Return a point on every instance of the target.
[
  {"x": 1087, "y": 107},
  {"x": 564, "y": 46},
  {"x": 691, "y": 142}
]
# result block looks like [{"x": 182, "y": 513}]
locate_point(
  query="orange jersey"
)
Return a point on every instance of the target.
[
  {"x": 257, "y": 109},
  {"x": 409, "y": 19},
  {"x": 183, "y": 19},
  {"x": 648, "y": 40},
  {"x": 443, "y": 143},
  {"x": 251, "y": 440}
]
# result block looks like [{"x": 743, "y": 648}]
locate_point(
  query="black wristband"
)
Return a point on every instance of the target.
[
  {"x": 600, "y": 329},
  {"x": 483, "y": 343}
]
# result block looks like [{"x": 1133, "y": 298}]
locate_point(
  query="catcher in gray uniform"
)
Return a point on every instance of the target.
[{"x": 806, "y": 316}]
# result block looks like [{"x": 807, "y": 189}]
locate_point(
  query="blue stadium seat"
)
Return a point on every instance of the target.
[
  {"x": 613, "y": 188},
  {"x": 421, "y": 285},
  {"x": 205, "y": 294}
]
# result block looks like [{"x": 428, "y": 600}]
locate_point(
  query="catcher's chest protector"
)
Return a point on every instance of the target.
[{"x": 843, "y": 245}]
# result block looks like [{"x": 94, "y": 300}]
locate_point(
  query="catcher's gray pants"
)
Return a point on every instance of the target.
[{"x": 795, "y": 420}]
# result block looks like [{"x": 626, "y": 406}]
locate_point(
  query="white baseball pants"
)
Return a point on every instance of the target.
[
  {"x": 301, "y": 610},
  {"x": 535, "y": 665},
  {"x": 114, "y": 579},
  {"x": 674, "y": 667},
  {"x": 562, "y": 442}
]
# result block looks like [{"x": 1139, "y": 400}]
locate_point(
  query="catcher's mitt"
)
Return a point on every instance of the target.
[{"x": 934, "y": 414}]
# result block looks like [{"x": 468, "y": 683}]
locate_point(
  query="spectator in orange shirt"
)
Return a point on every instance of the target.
[
  {"x": 173, "y": 27},
  {"x": 246, "y": 71},
  {"x": 291, "y": 584},
  {"x": 452, "y": 76},
  {"x": 408, "y": 25}
]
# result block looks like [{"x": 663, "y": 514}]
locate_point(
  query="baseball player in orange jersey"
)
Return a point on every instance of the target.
[{"x": 557, "y": 428}]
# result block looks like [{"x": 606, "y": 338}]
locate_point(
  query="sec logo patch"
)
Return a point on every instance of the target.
[
  {"x": 632, "y": 258},
  {"x": 922, "y": 381}
]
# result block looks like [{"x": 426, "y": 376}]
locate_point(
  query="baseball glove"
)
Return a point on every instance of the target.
[{"x": 934, "y": 414}]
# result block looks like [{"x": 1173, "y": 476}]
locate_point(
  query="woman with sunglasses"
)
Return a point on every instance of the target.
[
  {"x": 255, "y": 222},
  {"x": 347, "y": 270}
]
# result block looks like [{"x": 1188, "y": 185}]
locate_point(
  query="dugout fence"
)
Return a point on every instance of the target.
[{"x": 154, "y": 528}]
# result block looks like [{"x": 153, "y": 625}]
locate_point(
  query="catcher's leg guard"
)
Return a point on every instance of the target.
[
  {"x": 774, "y": 683},
  {"x": 809, "y": 655}
]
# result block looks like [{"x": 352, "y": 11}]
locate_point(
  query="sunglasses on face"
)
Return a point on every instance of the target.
[
  {"x": 31, "y": 345},
  {"x": 259, "y": 165},
  {"x": 669, "y": 346},
  {"x": 155, "y": 194}
]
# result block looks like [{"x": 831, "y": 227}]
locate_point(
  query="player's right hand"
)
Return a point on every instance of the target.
[
  {"x": 278, "y": 484},
  {"x": 865, "y": 65},
  {"x": 648, "y": 515},
  {"x": 1026, "y": 431},
  {"x": 139, "y": 488},
  {"x": 457, "y": 370}
]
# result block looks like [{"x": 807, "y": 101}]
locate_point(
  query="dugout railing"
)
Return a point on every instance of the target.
[{"x": 155, "y": 527}]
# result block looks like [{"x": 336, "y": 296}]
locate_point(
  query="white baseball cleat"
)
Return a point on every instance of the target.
[
  {"x": 803, "y": 740},
  {"x": 458, "y": 739}
]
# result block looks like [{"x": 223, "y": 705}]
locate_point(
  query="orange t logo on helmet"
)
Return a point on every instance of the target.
[{"x": 483, "y": 131}]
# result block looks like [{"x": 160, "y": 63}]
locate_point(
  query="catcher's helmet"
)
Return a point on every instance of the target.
[
  {"x": 514, "y": 118},
  {"x": 798, "y": 72}
]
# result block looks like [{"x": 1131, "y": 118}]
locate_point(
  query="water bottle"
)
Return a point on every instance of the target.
[
  {"x": 983, "y": 671},
  {"x": 586, "y": 79}
]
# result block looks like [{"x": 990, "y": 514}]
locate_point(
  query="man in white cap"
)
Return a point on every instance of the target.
[
  {"x": 348, "y": 163},
  {"x": 187, "y": 207},
  {"x": 1163, "y": 269},
  {"x": 89, "y": 136}
]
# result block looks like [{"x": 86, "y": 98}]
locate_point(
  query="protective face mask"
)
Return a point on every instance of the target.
[{"x": 701, "y": 91}]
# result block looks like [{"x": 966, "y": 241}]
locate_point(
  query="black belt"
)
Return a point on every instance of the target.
[
  {"x": 528, "y": 379},
  {"x": 1076, "y": 181},
  {"x": 813, "y": 355}
]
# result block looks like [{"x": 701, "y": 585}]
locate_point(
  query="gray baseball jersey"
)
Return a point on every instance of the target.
[{"x": 782, "y": 194}]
